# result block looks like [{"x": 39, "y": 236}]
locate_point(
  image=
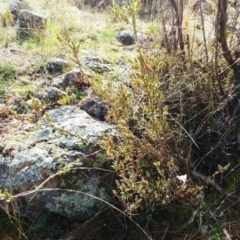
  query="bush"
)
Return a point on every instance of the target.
[{"x": 173, "y": 120}]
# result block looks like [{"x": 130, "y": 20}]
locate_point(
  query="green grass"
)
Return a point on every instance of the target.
[{"x": 7, "y": 72}]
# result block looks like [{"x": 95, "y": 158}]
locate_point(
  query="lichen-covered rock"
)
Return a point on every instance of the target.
[
  {"x": 28, "y": 22},
  {"x": 126, "y": 37},
  {"x": 51, "y": 94},
  {"x": 83, "y": 202},
  {"x": 56, "y": 65},
  {"x": 58, "y": 153},
  {"x": 71, "y": 78},
  {"x": 96, "y": 64},
  {"x": 104, "y": 3}
]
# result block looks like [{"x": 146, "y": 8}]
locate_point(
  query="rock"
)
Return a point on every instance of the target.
[
  {"x": 71, "y": 78},
  {"x": 59, "y": 152},
  {"x": 17, "y": 5},
  {"x": 126, "y": 37},
  {"x": 206, "y": 6},
  {"x": 104, "y": 3},
  {"x": 96, "y": 64},
  {"x": 28, "y": 22},
  {"x": 56, "y": 65},
  {"x": 51, "y": 94},
  {"x": 94, "y": 107}
]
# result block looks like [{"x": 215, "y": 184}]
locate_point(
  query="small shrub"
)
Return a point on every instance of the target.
[
  {"x": 6, "y": 18},
  {"x": 7, "y": 72}
]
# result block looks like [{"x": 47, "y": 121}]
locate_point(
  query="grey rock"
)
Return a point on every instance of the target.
[
  {"x": 17, "y": 5},
  {"x": 83, "y": 203},
  {"x": 67, "y": 145},
  {"x": 126, "y": 37},
  {"x": 51, "y": 94},
  {"x": 28, "y": 22},
  {"x": 94, "y": 107},
  {"x": 96, "y": 64},
  {"x": 71, "y": 78},
  {"x": 56, "y": 65},
  {"x": 104, "y": 3}
]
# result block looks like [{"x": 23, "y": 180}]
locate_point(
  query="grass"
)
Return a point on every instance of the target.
[
  {"x": 7, "y": 75},
  {"x": 7, "y": 72}
]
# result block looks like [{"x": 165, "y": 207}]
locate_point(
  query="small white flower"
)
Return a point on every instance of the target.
[{"x": 182, "y": 178}]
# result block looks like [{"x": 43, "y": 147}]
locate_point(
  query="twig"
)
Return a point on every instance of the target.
[
  {"x": 216, "y": 50},
  {"x": 184, "y": 130},
  {"x": 203, "y": 30}
]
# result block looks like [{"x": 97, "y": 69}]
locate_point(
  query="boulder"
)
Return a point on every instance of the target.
[
  {"x": 56, "y": 65},
  {"x": 57, "y": 165},
  {"x": 50, "y": 94},
  {"x": 126, "y": 37},
  {"x": 71, "y": 78},
  {"x": 17, "y": 5},
  {"x": 96, "y": 64},
  {"x": 29, "y": 22},
  {"x": 104, "y": 3},
  {"x": 94, "y": 107}
]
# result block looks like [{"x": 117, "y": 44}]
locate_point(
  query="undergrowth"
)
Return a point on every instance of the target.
[{"x": 175, "y": 145}]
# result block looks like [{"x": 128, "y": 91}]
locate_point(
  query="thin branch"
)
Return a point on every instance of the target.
[
  {"x": 179, "y": 27},
  {"x": 216, "y": 49},
  {"x": 203, "y": 30},
  {"x": 222, "y": 23}
]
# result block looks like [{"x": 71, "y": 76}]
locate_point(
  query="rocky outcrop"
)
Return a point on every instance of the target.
[
  {"x": 51, "y": 158},
  {"x": 57, "y": 164}
]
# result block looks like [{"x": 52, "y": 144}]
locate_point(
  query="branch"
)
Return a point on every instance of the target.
[
  {"x": 222, "y": 23},
  {"x": 222, "y": 30},
  {"x": 179, "y": 26}
]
